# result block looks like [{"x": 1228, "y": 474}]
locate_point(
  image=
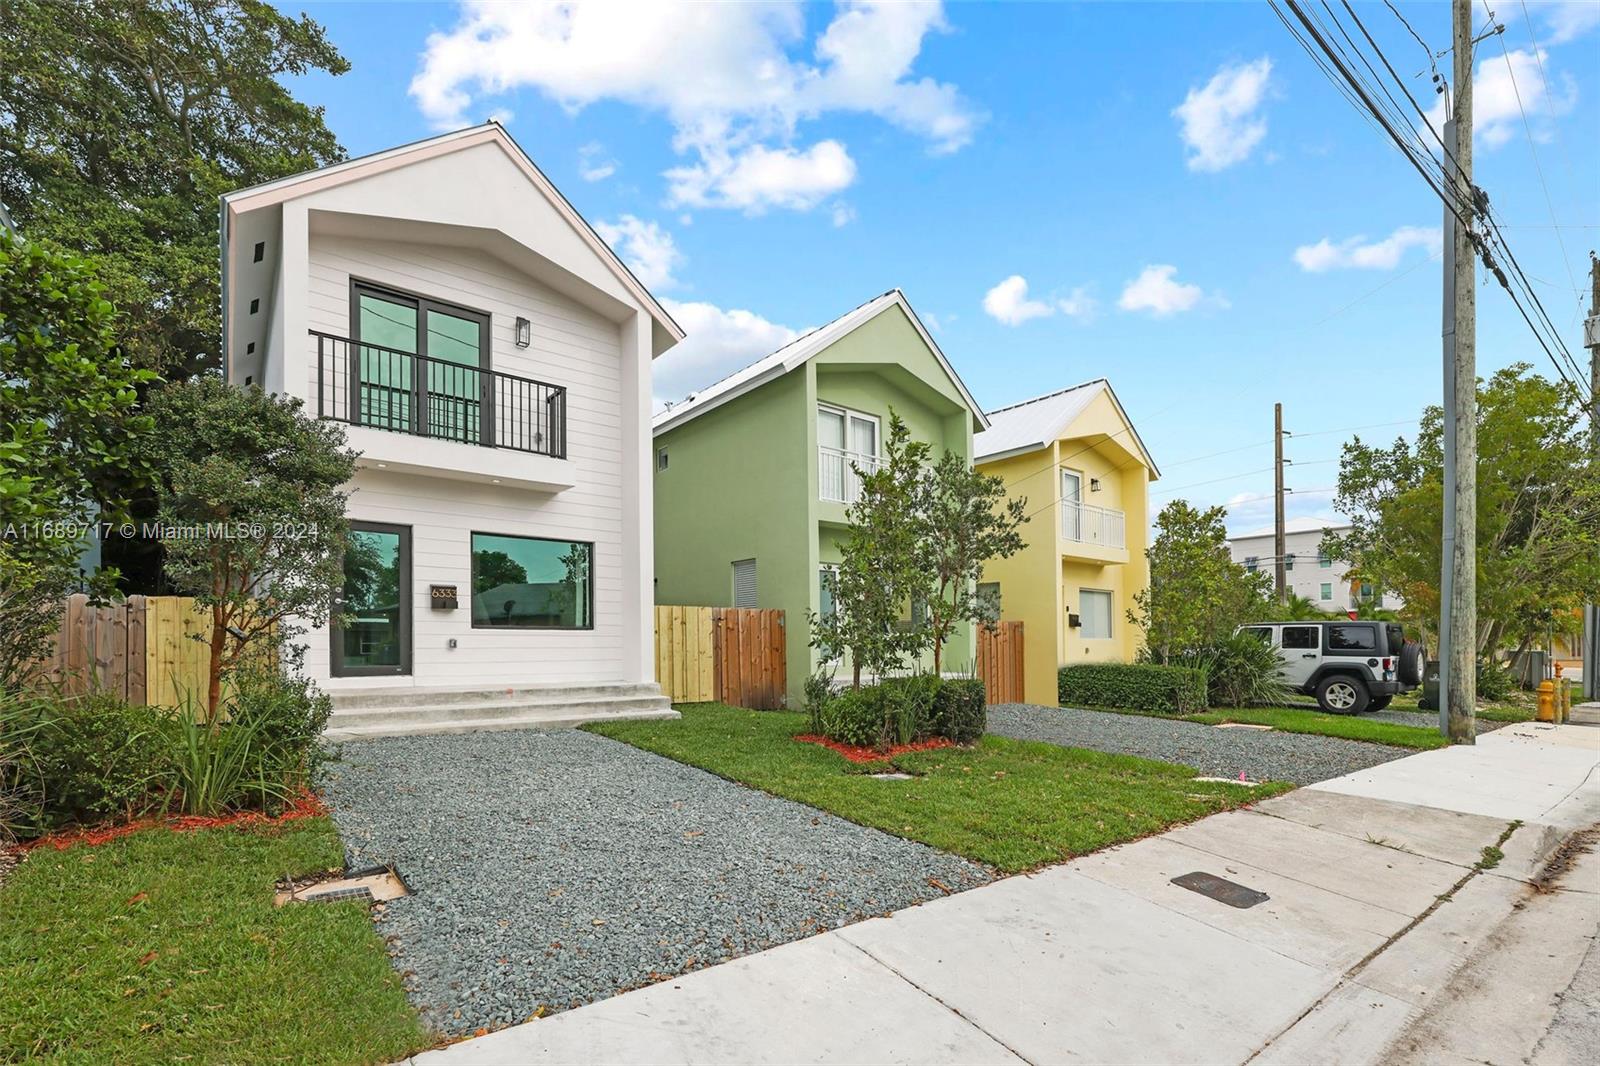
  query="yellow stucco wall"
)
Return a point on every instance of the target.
[{"x": 1042, "y": 584}]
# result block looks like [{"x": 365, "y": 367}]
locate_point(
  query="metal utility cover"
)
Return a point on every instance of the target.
[{"x": 1221, "y": 889}]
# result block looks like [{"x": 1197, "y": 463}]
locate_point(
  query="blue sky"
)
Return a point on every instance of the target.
[{"x": 1191, "y": 208}]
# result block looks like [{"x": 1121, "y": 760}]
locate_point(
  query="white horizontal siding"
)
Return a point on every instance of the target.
[{"x": 573, "y": 347}]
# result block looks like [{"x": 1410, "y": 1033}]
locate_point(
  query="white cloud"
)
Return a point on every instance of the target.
[
  {"x": 649, "y": 250},
  {"x": 594, "y": 164},
  {"x": 759, "y": 178},
  {"x": 1504, "y": 87},
  {"x": 731, "y": 78},
  {"x": 1221, "y": 121},
  {"x": 1008, "y": 302},
  {"x": 717, "y": 343},
  {"x": 1157, "y": 291},
  {"x": 842, "y": 213},
  {"x": 1569, "y": 20},
  {"x": 1359, "y": 254},
  {"x": 1077, "y": 303}
]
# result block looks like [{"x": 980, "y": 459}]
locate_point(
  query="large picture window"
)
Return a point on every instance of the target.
[{"x": 531, "y": 583}]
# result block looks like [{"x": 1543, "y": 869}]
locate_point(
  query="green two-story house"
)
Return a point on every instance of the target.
[{"x": 754, "y": 473}]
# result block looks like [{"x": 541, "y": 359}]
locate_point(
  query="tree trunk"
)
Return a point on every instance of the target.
[{"x": 219, "y": 633}]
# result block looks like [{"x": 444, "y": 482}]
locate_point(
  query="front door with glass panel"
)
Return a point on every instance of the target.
[
  {"x": 422, "y": 366},
  {"x": 373, "y": 636}
]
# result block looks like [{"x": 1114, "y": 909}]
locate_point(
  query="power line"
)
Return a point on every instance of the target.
[
  {"x": 1349, "y": 79},
  {"x": 1527, "y": 129}
]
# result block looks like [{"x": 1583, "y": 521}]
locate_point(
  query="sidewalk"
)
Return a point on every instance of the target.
[{"x": 1376, "y": 907}]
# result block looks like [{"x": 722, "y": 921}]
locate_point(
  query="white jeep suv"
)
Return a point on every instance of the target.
[{"x": 1349, "y": 666}]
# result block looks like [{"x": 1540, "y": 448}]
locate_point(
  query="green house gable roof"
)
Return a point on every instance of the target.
[{"x": 800, "y": 351}]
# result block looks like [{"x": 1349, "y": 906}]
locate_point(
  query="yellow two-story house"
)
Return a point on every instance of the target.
[{"x": 1078, "y": 459}]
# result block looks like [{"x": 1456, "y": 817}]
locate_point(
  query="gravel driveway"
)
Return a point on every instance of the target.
[
  {"x": 1220, "y": 752},
  {"x": 550, "y": 869}
]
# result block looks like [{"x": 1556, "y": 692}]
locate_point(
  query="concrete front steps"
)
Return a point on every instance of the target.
[{"x": 396, "y": 711}]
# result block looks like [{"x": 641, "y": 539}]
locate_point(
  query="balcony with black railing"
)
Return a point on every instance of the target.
[{"x": 384, "y": 388}]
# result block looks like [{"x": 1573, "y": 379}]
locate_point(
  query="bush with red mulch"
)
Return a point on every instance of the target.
[
  {"x": 858, "y": 754},
  {"x": 307, "y": 805}
]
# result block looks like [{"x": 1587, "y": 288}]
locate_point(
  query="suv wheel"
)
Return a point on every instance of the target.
[
  {"x": 1380, "y": 703},
  {"x": 1342, "y": 694}
]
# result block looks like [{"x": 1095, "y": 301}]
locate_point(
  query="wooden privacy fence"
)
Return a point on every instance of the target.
[
  {"x": 143, "y": 649},
  {"x": 735, "y": 655},
  {"x": 1000, "y": 662}
]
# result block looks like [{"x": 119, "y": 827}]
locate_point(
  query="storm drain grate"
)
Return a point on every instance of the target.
[
  {"x": 1221, "y": 889},
  {"x": 374, "y": 884}
]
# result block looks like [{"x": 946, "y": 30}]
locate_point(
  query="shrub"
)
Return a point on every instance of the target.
[
  {"x": 1136, "y": 686},
  {"x": 818, "y": 690},
  {"x": 98, "y": 757},
  {"x": 960, "y": 710},
  {"x": 223, "y": 767},
  {"x": 289, "y": 715},
  {"x": 1495, "y": 682},
  {"x": 908, "y": 706},
  {"x": 1241, "y": 670},
  {"x": 854, "y": 716},
  {"x": 21, "y": 791}
]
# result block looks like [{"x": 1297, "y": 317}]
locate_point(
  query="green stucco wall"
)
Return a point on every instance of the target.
[{"x": 741, "y": 480}]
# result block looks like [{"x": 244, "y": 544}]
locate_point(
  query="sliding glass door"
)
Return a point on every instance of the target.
[{"x": 445, "y": 393}]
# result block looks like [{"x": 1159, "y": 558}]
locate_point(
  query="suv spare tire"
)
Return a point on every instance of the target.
[{"x": 1411, "y": 663}]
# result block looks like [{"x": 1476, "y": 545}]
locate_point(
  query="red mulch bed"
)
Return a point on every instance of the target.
[
  {"x": 858, "y": 754},
  {"x": 306, "y": 806}
]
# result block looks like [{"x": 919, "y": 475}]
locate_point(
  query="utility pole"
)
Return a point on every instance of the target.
[
  {"x": 1458, "y": 623},
  {"x": 1278, "y": 540},
  {"x": 1591, "y": 340}
]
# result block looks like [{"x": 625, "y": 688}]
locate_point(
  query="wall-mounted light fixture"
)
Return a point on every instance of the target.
[
  {"x": 1094, "y": 484},
  {"x": 524, "y": 332}
]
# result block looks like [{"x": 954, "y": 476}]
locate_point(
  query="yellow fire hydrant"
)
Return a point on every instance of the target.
[{"x": 1547, "y": 701}]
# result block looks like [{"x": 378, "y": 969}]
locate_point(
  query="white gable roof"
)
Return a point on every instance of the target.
[
  {"x": 1033, "y": 424},
  {"x": 796, "y": 354},
  {"x": 282, "y": 189}
]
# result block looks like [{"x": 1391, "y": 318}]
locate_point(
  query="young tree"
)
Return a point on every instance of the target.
[
  {"x": 122, "y": 121},
  {"x": 69, "y": 405},
  {"x": 250, "y": 495},
  {"x": 1198, "y": 594},
  {"x": 966, "y": 520},
  {"x": 880, "y": 569},
  {"x": 1538, "y": 548}
]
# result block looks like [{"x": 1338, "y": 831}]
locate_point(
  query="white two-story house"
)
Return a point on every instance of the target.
[{"x": 490, "y": 358}]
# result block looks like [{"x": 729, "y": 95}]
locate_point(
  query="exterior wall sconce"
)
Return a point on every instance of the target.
[
  {"x": 524, "y": 332},
  {"x": 1094, "y": 484}
]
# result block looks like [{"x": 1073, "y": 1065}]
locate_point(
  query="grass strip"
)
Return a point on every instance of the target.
[
  {"x": 164, "y": 946},
  {"x": 1013, "y": 804}
]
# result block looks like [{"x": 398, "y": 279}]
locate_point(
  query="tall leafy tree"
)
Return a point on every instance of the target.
[
  {"x": 1538, "y": 548},
  {"x": 69, "y": 408},
  {"x": 1197, "y": 594},
  {"x": 251, "y": 495},
  {"x": 966, "y": 521},
  {"x": 122, "y": 121},
  {"x": 881, "y": 564}
]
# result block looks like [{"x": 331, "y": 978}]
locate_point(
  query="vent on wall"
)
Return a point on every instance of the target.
[{"x": 744, "y": 583}]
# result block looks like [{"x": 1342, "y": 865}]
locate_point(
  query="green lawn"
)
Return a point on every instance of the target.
[
  {"x": 165, "y": 947},
  {"x": 1013, "y": 804},
  {"x": 1348, "y": 727},
  {"x": 1523, "y": 708}
]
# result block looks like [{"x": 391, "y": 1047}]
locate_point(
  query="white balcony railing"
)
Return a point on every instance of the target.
[
  {"x": 1088, "y": 524},
  {"x": 837, "y": 479}
]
